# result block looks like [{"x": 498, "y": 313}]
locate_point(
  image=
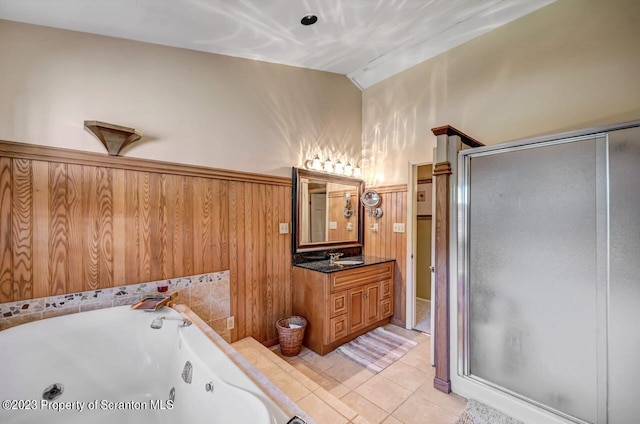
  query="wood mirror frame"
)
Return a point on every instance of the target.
[{"x": 297, "y": 244}]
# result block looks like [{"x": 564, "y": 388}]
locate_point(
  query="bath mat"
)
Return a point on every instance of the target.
[
  {"x": 377, "y": 349},
  {"x": 479, "y": 413}
]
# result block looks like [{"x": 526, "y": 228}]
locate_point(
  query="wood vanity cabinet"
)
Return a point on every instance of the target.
[{"x": 341, "y": 305}]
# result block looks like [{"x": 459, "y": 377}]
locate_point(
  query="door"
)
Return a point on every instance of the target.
[
  {"x": 424, "y": 241},
  {"x": 372, "y": 303},
  {"x": 318, "y": 217},
  {"x": 534, "y": 247}
]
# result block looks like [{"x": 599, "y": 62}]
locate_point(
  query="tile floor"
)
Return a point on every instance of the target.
[
  {"x": 423, "y": 315},
  {"x": 401, "y": 393},
  {"x": 319, "y": 406}
]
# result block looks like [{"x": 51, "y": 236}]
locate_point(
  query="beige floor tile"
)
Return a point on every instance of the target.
[
  {"x": 303, "y": 379},
  {"x": 417, "y": 410},
  {"x": 349, "y": 373},
  {"x": 418, "y": 358},
  {"x": 281, "y": 362},
  {"x": 331, "y": 385},
  {"x": 360, "y": 420},
  {"x": 368, "y": 410},
  {"x": 322, "y": 363},
  {"x": 241, "y": 344},
  {"x": 337, "y": 404},
  {"x": 303, "y": 367},
  {"x": 407, "y": 334},
  {"x": 405, "y": 375},
  {"x": 261, "y": 362},
  {"x": 320, "y": 411},
  {"x": 392, "y": 420},
  {"x": 288, "y": 384},
  {"x": 423, "y": 338},
  {"x": 450, "y": 402},
  {"x": 423, "y": 348},
  {"x": 383, "y": 392}
]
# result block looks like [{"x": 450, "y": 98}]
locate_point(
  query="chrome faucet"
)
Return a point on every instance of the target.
[
  {"x": 333, "y": 257},
  {"x": 157, "y": 323}
]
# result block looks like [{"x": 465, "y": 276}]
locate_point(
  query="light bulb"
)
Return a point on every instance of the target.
[
  {"x": 339, "y": 169},
  {"x": 316, "y": 164},
  {"x": 348, "y": 169},
  {"x": 357, "y": 172},
  {"x": 328, "y": 165}
]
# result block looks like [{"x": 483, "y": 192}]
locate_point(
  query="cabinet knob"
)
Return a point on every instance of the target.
[{"x": 366, "y": 295}]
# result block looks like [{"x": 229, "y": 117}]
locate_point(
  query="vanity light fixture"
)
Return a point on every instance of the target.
[{"x": 330, "y": 167}]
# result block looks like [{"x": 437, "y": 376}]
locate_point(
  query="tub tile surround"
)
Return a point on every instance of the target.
[{"x": 208, "y": 295}]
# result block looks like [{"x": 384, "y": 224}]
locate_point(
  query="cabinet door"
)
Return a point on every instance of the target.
[
  {"x": 372, "y": 303},
  {"x": 356, "y": 309},
  {"x": 386, "y": 289},
  {"x": 386, "y": 308},
  {"x": 337, "y": 328},
  {"x": 338, "y": 304}
]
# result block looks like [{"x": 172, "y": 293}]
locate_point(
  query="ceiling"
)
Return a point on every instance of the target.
[{"x": 367, "y": 40}]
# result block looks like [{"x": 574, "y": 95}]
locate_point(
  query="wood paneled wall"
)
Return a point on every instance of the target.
[
  {"x": 72, "y": 221},
  {"x": 260, "y": 259},
  {"x": 387, "y": 244},
  {"x": 336, "y": 208}
]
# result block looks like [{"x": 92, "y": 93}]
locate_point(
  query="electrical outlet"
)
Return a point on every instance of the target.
[
  {"x": 375, "y": 227},
  {"x": 231, "y": 323},
  {"x": 398, "y": 227},
  {"x": 284, "y": 228},
  {"x": 349, "y": 226},
  {"x": 333, "y": 225}
]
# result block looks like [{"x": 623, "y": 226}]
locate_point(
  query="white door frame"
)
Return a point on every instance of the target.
[
  {"x": 412, "y": 245},
  {"x": 410, "y": 319}
]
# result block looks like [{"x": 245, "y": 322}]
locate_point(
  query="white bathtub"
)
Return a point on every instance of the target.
[{"x": 115, "y": 368}]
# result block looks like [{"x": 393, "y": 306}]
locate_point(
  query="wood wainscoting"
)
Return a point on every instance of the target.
[
  {"x": 387, "y": 244},
  {"x": 72, "y": 221}
]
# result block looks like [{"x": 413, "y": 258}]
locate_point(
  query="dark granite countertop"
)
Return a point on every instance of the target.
[{"x": 325, "y": 267}]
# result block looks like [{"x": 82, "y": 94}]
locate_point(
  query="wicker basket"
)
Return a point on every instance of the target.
[{"x": 291, "y": 338}]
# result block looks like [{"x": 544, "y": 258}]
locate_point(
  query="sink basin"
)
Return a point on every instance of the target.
[{"x": 349, "y": 262}]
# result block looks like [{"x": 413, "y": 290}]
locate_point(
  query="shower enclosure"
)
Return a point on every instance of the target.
[{"x": 549, "y": 272}]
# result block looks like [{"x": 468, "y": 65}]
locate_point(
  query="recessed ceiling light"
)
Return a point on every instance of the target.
[{"x": 309, "y": 20}]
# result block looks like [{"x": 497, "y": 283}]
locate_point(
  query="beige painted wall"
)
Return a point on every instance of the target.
[
  {"x": 570, "y": 65},
  {"x": 192, "y": 107}
]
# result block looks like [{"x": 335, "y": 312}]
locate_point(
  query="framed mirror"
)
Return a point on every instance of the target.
[{"x": 326, "y": 211}]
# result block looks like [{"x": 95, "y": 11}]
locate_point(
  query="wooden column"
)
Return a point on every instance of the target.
[
  {"x": 442, "y": 176},
  {"x": 450, "y": 141}
]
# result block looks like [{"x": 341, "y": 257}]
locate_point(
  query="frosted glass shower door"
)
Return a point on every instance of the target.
[{"x": 535, "y": 246}]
